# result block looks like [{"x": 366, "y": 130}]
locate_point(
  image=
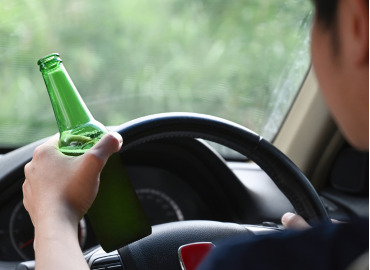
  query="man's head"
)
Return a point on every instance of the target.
[{"x": 340, "y": 57}]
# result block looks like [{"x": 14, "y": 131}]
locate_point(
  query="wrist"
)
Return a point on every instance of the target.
[
  {"x": 55, "y": 226},
  {"x": 59, "y": 214},
  {"x": 56, "y": 238},
  {"x": 52, "y": 232}
]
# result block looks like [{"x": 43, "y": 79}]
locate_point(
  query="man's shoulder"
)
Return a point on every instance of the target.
[{"x": 325, "y": 247}]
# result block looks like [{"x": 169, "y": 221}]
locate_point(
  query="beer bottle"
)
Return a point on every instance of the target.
[
  {"x": 116, "y": 215},
  {"x": 78, "y": 129}
]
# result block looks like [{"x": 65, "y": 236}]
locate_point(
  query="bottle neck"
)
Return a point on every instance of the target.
[{"x": 69, "y": 108}]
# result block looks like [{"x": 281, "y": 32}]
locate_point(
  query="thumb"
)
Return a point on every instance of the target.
[
  {"x": 294, "y": 222},
  {"x": 105, "y": 147},
  {"x": 53, "y": 141}
]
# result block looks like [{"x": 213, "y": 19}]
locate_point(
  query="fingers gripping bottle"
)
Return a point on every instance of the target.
[{"x": 116, "y": 215}]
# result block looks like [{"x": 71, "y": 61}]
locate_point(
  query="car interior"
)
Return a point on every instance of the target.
[
  {"x": 197, "y": 175},
  {"x": 180, "y": 179}
]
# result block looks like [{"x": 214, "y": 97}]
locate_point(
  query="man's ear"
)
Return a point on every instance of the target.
[{"x": 360, "y": 30}]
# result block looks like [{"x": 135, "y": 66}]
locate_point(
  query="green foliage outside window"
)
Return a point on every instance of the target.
[{"x": 239, "y": 60}]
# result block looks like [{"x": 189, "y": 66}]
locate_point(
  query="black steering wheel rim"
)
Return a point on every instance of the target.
[{"x": 286, "y": 175}]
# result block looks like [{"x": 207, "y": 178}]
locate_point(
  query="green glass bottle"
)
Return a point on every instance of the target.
[
  {"x": 116, "y": 215},
  {"x": 78, "y": 129}
]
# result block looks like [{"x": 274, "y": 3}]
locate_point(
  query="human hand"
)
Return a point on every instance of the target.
[
  {"x": 57, "y": 192},
  {"x": 64, "y": 187},
  {"x": 296, "y": 222}
]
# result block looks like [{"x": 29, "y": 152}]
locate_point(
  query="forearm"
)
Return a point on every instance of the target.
[
  {"x": 56, "y": 246},
  {"x": 57, "y": 192}
]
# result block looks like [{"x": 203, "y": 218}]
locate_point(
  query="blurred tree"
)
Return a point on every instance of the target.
[{"x": 240, "y": 60}]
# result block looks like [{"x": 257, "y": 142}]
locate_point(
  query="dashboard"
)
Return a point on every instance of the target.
[
  {"x": 175, "y": 179},
  {"x": 164, "y": 196}
]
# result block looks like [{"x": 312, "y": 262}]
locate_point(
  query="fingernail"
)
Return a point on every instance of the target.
[{"x": 288, "y": 216}]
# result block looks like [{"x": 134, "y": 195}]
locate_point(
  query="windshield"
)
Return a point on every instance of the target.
[{"x": 240, "y": 60}]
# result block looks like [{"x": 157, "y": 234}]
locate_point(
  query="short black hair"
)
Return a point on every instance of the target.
[
  {"x": 326, "y": 12},
  {"x": 326, "y": 17}
]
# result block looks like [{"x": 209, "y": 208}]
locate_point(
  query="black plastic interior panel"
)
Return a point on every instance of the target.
[
  {"x": 348, "y": 189},
  {"x": 269, "y": 202},
  {"x": 202, "y": 169},
  {"x": 354, "y": 205},
  {"x": 350, "y": 172}
]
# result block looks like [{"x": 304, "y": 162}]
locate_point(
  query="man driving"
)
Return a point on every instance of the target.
[{"x": 59, "y": 189}]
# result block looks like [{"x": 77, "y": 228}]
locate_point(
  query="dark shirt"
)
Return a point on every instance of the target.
[{"x": 327, "y": 247}]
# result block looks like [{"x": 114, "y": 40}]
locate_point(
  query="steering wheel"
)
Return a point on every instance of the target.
[{"x": 159, "y": 251}]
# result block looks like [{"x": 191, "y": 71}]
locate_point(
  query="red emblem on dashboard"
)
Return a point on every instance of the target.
[{"x": 191, "y": 255}]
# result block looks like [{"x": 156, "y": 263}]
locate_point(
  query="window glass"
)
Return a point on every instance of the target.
[{"x": 240, "y": 60}]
